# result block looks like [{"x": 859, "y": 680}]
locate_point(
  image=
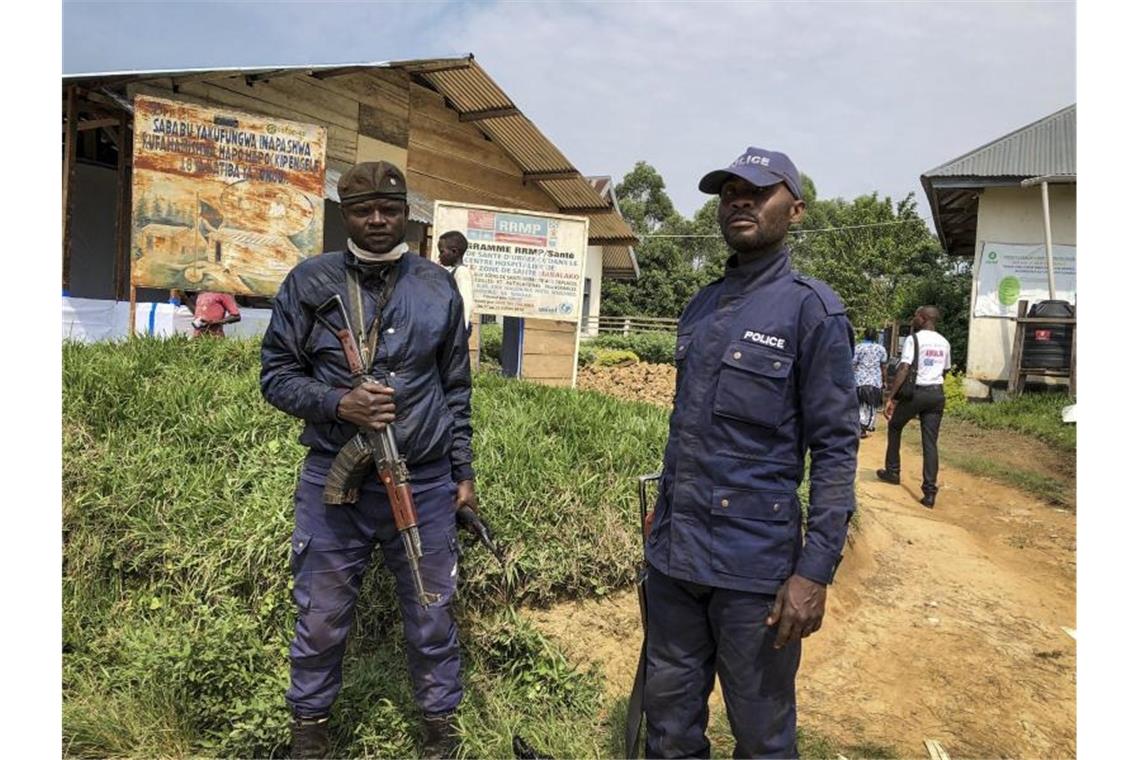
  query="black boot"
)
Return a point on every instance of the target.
[
  {"x": 441, "y": 737},
  {"x": 928, "y": 500},
  {"x": 887, "y": 476},
  {"x": 310, "y": 738}
]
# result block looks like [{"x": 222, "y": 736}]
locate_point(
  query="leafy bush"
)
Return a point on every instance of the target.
[
  {"x": 955, "y": 391},
  {"x": 614, "y": 357},
  {"x": 586, "y": 354},
  {"x": 491, "y": 338},
  {"x": 178, "y": 481},
  {"x": 652, "y": 347}
]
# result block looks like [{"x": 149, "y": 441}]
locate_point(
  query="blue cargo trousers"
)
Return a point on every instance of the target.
[
  {"x": 696, "y": 632},
  {"x": 332, "y": 547}
]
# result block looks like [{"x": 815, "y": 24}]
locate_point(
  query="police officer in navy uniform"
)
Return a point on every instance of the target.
[
  {"x": 763, "y": 376},
  {"x": 415, "y": 317}
]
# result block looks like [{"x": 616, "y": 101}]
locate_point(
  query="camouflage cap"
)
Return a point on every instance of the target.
[{"x": 371, "y": 179}]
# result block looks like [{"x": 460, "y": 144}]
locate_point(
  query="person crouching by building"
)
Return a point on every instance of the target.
[
  {"x": 211, "y": 311},
  {"x": 870, "y": 364}
]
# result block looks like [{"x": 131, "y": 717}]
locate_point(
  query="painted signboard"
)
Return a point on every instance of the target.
[
  {"x": 1011, "y": 272},
  {"x": 222, "y": 200},
  {"x": 523, "y": 263}
]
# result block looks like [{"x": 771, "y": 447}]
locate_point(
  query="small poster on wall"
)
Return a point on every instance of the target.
[{"x": 1012, "y": 272}]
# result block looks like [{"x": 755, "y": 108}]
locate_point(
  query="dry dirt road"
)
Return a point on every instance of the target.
[{"x": 946, "y": 624}]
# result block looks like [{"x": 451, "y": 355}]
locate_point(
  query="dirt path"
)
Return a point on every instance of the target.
[{"x": 944, "y": 624}]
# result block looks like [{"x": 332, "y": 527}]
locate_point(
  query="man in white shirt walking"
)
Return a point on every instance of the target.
[
  {"x": 930, "y": 365},
  {"x": 452, "y": 246}
]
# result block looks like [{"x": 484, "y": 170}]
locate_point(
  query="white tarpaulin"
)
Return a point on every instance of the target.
[
  {"x": 89, "y": 320},
  {"x": 1011, "y": 272}
]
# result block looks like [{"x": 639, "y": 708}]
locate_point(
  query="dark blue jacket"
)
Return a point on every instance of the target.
[
  {"x": 423, "y": 343},
  {"x": 763, "y": 375}
]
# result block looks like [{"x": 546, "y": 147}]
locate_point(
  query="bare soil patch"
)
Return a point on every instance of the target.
[{"x": 945, "y": 624}]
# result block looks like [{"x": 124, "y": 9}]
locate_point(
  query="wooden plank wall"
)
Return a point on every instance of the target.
[
  {"x": 365, "y": 113},
  {"x": 549, "y": 352},
  {"x": 383, "y": 115},
  {"x": 452, "y": 160}
]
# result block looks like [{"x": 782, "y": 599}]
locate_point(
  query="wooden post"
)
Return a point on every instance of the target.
[
  {"x": 123, "y": 212},
  {"x": 68, "y": 179},
  {"x": 131, "y": 313},
  {"x": 1015, "y": 378}
]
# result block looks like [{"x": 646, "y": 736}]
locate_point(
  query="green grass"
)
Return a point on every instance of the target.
[
  {"x": 177, "y": 514},
  {"x": 491, "y": 342},
  {"x": 652, "y": 347},
  {"x": 178, "y": 482},
  {"x": 1034, "y": 414}
]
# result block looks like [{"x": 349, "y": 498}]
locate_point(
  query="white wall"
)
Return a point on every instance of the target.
[
  {"x": 594, "y": 275},
  {"x": 1011, "y": 215},
  {"x": 89, "y": 320}
]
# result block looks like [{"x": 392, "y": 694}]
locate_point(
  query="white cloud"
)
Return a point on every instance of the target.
[{"x": 863, "y": 96}]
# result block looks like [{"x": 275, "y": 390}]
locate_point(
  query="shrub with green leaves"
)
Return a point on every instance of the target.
[
  {"x": 614, "y": 357},
  {"x": 177, "y": 514},
  {"x": 491, "y": 341},
  {"x": 955, "y": 390},
  {"x": 651, "y": 347}
]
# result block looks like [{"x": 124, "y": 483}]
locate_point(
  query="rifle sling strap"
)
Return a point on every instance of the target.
[{"x": 367, "y": 340}]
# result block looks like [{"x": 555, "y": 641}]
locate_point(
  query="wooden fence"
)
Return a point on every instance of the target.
[{"x": 628, "y": 325}]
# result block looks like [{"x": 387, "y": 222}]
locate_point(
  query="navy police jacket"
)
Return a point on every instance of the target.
[
  {"x": 423, "y": 344},
  {"x": 763, "y": 375}
]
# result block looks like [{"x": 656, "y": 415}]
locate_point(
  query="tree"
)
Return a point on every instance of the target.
[
  {"x": 879, "y": 256},
  {"x": 668, "y": 279},
  {"x": 883, "y": 261},
  {"x": 867, "y": 250}
]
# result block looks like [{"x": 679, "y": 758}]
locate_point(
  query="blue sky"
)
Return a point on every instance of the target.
[{"x": 863, "y": 96}]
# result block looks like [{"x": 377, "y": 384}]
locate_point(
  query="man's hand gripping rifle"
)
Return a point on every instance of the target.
[{"x": 379, "y": 448}]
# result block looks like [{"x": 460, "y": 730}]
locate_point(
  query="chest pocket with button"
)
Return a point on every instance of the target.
[{"x": 753, "y": 384}]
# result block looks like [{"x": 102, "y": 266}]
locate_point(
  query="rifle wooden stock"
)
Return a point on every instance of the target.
[{"x": 400, "y": 497}]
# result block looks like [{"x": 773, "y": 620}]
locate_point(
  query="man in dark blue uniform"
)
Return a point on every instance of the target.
[
  {"x": 763, "y": 375},
  {"x": 410, "y": 325}
]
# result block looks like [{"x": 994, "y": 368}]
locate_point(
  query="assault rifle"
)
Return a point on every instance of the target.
[
  {"x": 367, "y": 450},
  {"x": 379, "y": 449},
  {"x": 635, "y": 710}
]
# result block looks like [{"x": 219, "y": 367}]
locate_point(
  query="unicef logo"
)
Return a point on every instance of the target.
[{"x": 565, "y": 308}]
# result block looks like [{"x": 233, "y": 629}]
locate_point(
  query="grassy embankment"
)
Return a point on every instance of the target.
[{"x": 177, "y": 613}]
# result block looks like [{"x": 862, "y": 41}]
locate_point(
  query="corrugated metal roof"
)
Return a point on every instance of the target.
[
  {"x": 570, "y": 194},
  {"x": 470, "y": 91},
  {"x": 619, "y": 263},
  {"x": 1047, "y": 146}
]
